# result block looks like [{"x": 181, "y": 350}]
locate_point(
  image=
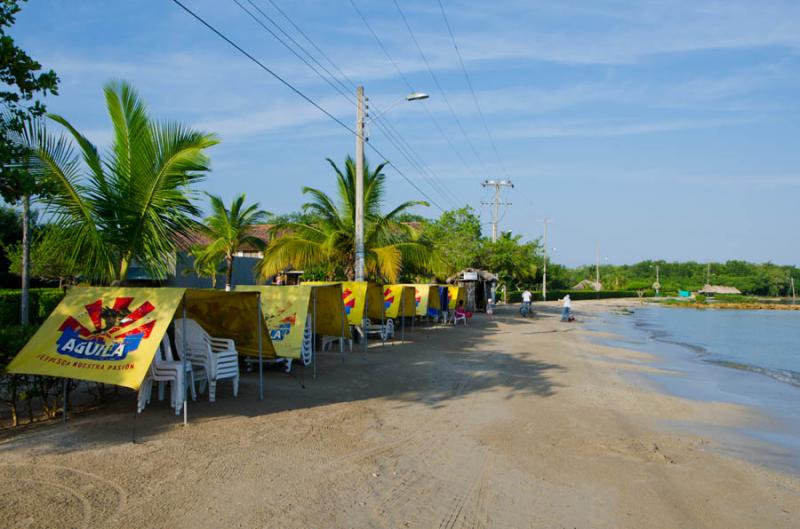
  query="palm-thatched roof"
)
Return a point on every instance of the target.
[
  {"x": 719, "y": 289},
  {"x": 588, "y": 285},
  {"x": 483, "y": 275}
]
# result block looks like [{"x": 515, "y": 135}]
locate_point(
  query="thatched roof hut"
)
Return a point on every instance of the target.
[
  {"x": 588, "y": 285},
  {"x": 479, "y": 286},
  {"x": 718, "y": 289}
]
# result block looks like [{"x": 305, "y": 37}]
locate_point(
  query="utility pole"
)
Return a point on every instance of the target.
[
  {"x": 597, "y": 269},
  {"x": 498, "y": 185},
  {"x": 794, "y": 297},
  {"x": 545, "y": 221},
  {"x": 359, "y": 221}
]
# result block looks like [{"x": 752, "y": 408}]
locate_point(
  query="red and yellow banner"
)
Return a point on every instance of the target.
[{"x": 107, "y": 335}]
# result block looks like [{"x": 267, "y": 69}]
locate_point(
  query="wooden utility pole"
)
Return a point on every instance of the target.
[{"x": 359, "y": 221}]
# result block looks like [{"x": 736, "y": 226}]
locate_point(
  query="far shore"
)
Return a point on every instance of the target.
[{"x": 508, "y": 422}]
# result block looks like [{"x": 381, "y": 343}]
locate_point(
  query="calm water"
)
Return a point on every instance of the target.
[
  {"x": 764, "y": 342},
  {"x": 750, "y": 358}
]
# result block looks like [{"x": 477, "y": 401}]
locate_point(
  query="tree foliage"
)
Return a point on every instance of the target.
[
  {"x": 131, "y": 203},
  {"x": 21, "y": 81},
  {"x": 327, "y": 239},
  {"x": 514, "y": 262},
  {"x": 49, "y": 250},
  {"x": 456, "y": 237},
  {"x": 227, "y": 229}
]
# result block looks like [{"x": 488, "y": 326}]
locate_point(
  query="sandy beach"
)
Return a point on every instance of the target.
[{"x": 505, "y": 423}]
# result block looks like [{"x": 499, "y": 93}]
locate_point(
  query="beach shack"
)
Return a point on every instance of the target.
[{"x": 479, "y": 286}]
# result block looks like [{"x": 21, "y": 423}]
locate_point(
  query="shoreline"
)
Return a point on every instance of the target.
[
  {"x": 507, "y": 422},
  {"x": 768, "y": 432}
]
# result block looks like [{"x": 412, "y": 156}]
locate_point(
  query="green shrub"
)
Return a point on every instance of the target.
[{"x": 42, "y": 303}]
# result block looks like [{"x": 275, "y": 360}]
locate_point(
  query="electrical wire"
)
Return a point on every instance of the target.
[
  {"x": 302, "y": 95},
  {"x": 408, "y": 84},
  {"x": 472, "y": 90},
  {"x": 407, "y": 152},
  {"x": 438, "y": 85}
]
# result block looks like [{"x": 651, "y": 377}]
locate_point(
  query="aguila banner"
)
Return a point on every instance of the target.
[{"x": 106, "y": 335}]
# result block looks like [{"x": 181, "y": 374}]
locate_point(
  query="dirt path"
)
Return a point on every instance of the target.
[{"x": 507, "y": 423}]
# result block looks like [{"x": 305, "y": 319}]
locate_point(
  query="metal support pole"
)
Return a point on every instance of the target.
[
  {"x": 365, "y": 317},
  {"x": 341, "y": 341},
  {"x": 260, "y": 352},
  {"x": 184, "y": 355},
  {"x": 403, "y": 315},
  {"x": 64, "y": 401},
  {"x": 359, "y": 213},
  {"x": 314, "y": 332}
]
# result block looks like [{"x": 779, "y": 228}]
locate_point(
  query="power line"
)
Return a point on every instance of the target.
[
  {"x": 330, "y": 79},
  {"x": 439, "y": 86},
  {"x": 411, "y": 87},
  {"x": 472, "y": 89},
  {"x": 301, "y": 94}
]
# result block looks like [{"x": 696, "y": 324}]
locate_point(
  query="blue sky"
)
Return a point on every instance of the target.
[{"x": 658, "y": 129}]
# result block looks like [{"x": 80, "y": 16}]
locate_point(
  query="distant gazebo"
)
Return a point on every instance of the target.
[
  {"x": 710, "y": 290},
  {"x": 588, "y": 285}
]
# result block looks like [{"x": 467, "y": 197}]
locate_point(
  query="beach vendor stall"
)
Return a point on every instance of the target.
[
  {"x": 296, "y": 314},
  {"x": 112, "y": 335},
  {"x": 363, "y": 304},
  {"x": 399, "y": 302},
  {"x": 426, "y": 300}
]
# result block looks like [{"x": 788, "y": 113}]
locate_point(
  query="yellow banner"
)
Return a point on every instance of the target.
[
  {"x": 454, "y": 294},
  {"x": 398, "y": 300},
  {"x": 355, "y": 294},
  {"x": 426, "y": 300},
  {"x": 285, "y": 310},
  {"x": 233, "y": 315},
  {"x": 107, "y": 335}
]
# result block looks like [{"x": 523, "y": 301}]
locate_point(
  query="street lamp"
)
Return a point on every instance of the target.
[{"x": 360, "y": 139}]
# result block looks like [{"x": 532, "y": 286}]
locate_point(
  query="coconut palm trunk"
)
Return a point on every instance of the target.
[
  {"x": 229, "y": 273},
  {"x": 26, "y": 261}
]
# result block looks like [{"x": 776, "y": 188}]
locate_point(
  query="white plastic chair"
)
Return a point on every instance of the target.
[
  {"x": 217, "y": 358},
  {"x": 164, "y": 368},
  {"x": 459, "y": 317}
]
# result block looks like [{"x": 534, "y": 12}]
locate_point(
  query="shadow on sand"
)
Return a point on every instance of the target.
[{"x": 433, "y": 366}]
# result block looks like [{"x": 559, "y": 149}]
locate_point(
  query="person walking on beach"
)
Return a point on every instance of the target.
[
  {"x": 527, "y": 297},
  {"x": 566, "y": 314}
]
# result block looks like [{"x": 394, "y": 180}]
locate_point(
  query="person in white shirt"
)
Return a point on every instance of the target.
[
  {"x": 565, "y": 313},
  {"x": 527, "y": 297}
]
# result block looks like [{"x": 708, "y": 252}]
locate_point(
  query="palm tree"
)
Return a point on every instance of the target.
[
  {"x": 131, "y": 203},
  {"x": 329, "y": 240},
  {"x": 228, "y": 229}
]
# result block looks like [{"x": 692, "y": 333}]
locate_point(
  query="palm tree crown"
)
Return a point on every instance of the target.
[
  {"x": 130, "y": 203},
  {"x": 228, "y": 229},
  {"x": 329, "y": 240}
]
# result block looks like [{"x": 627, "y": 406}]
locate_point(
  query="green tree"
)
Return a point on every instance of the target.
[
  {"x": 22, "y": 81},
  {"x": 514, "y": 262},
  {"x": 329, "y": 240},
  {"x": 227, "y": 230},
  {"x": 132, "y": 203},
  {"x": 48, "y": 256},
  {"x": 208, "y": 268},
  {"x": 456, "y": 236}
]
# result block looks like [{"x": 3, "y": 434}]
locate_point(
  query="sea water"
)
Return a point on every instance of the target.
[{"x": 751, "y": 358}]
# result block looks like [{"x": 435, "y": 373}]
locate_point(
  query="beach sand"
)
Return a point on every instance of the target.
[{"x": 505, "y": 423}]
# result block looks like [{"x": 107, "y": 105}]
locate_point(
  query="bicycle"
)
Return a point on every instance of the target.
[{"x": 526, "y": 309}]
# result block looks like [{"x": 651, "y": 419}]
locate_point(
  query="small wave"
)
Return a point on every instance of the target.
[{"x": 782, "y": 375}]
